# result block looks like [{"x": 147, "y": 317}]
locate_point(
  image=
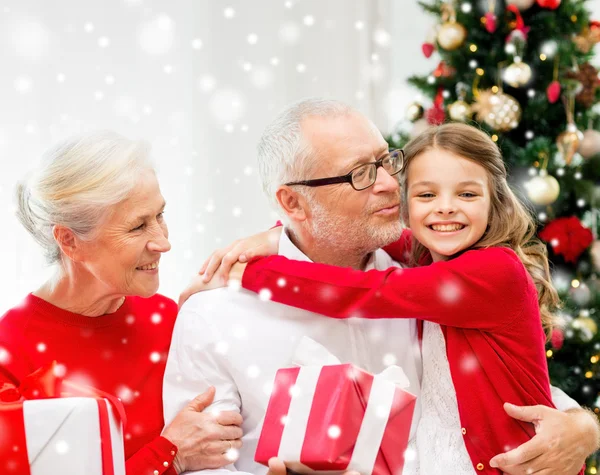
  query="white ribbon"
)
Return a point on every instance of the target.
[{"x": 312, "y": 356}]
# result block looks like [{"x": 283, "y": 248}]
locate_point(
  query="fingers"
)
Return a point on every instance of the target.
[
  {"x": 230, "y": 432},
  {"x": 276, "y": 467},
  {"x": 523, "y": 454},
  {"x": 229, "y": 418},
  {"x": 202, "y": 401},
  {"x": 525, "y": 413}
]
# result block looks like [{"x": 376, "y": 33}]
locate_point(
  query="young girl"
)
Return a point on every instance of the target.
[{"x": 481, "y": 283}]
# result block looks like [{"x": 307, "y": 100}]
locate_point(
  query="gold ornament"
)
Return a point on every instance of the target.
[
  {"x": 543, "y": 190},
  {"x": 521, "y": 4},
  {"x": 517, "y": 74},
  {"x": 460, "y": 111},
  {"x": 500, "y": 111},
  {"x": 568, "y": 142},
  {"x": 590, "y": 144},
  {"x": 452, "y": 35},
  {"x": 414, "y": 111},
  {"x": 586, "y": 326}
]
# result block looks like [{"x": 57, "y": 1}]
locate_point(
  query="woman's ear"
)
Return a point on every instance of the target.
[{"x": 68, "y": 242}]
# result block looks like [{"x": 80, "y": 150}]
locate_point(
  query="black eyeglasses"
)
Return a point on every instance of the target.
[{"x": 363, "y": 176}]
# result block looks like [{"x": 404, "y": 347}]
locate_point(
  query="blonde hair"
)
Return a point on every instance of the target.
[
  {"x": 75, "y": 185},
  {"x": 510, "y": 224}
]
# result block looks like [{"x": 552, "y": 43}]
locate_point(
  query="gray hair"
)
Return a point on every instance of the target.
[
  {"x": 75, "y": 185},
  {"x": 284, "y": 154}
]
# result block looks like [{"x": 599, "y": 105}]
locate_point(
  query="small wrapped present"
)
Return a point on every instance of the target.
[
  {"x": 48, "y": 428},
  {"x": 329, "y": 417}
]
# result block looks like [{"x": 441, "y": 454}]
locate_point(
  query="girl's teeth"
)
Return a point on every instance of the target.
[{"x": 447, "y": 227}]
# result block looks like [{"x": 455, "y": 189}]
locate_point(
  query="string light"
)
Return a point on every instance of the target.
[
  {"x": 473, "y": 47},
  {"x": 574, "y": 283},
  {"x": 480, "y": 71},
  {"x": 549, "y": 354},
  {"x": 495, "y": 138},
  {"x": 595, "y": 359},
  {"x": 543, "y": 57},
  {"x": 589, "y": 374}
]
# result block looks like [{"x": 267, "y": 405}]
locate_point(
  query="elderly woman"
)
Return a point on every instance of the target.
[{"x": 96, "y": 209}]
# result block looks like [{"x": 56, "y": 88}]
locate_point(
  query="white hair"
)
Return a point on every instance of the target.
[
  {"x": 284, "y": 154},
  {"x": 75, "y": 185}
]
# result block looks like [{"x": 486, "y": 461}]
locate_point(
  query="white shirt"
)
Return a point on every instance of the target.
[{"x": 233, "y": 340}]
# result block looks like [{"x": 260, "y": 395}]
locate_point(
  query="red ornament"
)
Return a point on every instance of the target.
[
  {"x": 436, "y": 115},
  {"x": 551, "y": 4},
  {"x": 490, "y": 22},
  {"x": 427, "y": 49},
  {"x": 568, "y": 237},
  {"x": 553, "y": 92},
  {"x": 444, "y": 70},
  {"x": 557, "y": 339}
]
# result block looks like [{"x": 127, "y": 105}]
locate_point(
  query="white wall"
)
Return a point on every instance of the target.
[{"x": 186, "y": 75}]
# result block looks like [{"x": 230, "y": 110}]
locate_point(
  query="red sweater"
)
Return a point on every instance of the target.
[
  {"x": 487, "y": 306},
  {"x": 123, "y": 353}
]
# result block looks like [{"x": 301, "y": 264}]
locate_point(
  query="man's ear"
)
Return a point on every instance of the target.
[
  {"x": 294, "y": 205},
  {"x": 69, "y": 243}
]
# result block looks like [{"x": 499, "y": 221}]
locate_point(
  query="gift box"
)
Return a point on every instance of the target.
[
  {"x": 54, "y": 434},
  {"x": 335, "y": 417}
]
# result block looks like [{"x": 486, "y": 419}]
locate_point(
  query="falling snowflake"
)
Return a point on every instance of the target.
[
  {"x": 222, "y": 347},
  {"x": 232, "y": 454},
  {"x": 229, "y": 13},
  {"x": 155, "y": 356},
  {"x": 61, "y": 447},
  {"x": 156, "y": 36},
  {"x": 156, "y": 318},
  {"x": 124, "y": 393},
  {"x": 268, "y": 388},
  {"x": 23, "y": 84},
  {"x": 41, "y": 347},
  {"x": 4, "y": 356},
  {"x": 103, "y": 42},
  {"x": 449, "y": 292},
  {"x": 253, "y": 371},
  {"x": 334, "y": 432},
  {"x": 265, "y": 295},
  {"x": 309, "y": 20},
  {"x": 289, "y": 33},
  {"x": 389, "y": 359}
]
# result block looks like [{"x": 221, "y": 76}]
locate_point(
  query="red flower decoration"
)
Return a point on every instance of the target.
[{"x": 568, "y": 237}]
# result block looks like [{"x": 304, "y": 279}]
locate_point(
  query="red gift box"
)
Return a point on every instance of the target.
[
  {"x": 334, "y": 418},
  {"x": 47, "y": 427}
]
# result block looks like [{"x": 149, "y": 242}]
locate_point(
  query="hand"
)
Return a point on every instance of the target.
[
  {"x": 242, "y": 250},
  {"x": 561, "y": 443},
  {"x": 277, "y": 467},
  {"x": 204, "y": 439},
  {"x": 199, "y": 285}
]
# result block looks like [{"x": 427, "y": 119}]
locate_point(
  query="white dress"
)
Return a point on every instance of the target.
[{"x": 438, "y": 446}]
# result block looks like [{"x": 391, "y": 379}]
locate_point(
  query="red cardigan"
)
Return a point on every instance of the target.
[
  {"x": 487, "y": 306},
  {"x": 123, "y": 353}
]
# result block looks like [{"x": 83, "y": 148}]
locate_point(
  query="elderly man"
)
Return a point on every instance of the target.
[{"x": 236, "y": 342}]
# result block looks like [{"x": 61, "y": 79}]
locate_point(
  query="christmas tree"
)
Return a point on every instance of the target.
[{"x": 520, "y": 69}]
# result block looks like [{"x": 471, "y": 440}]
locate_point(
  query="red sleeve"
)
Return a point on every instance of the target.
[
  {"x": 400, "y": 249},
  {"x": 483, "y": 289},
  {"x": 152, "y": 457}
]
